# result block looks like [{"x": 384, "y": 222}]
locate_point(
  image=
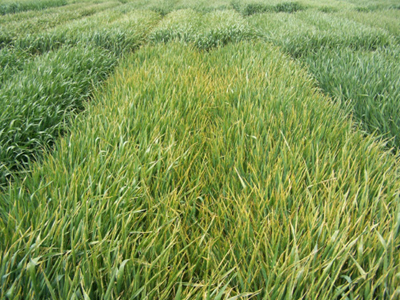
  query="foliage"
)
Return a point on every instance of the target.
[
  {"x": 11, "y": 61},
  {"x": 38, "y": 102},
  {"x": 117, "y": 31},
  {"x": 338, "y": 52},
  {"x": 40, "y": 21},
  {"x": 14, "y": 6},
  {"x": 232, "y": 178},
  {"x": 203, "y": 30},
  {"x": 210, "y": 165},
  {"x": 368, "y": 82},
  {"x": 247, "y": 9}
]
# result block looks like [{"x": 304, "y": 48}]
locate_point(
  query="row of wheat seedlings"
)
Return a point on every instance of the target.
[
  {"x": 204, "y": 5},
  {"x": 164, "y": 7},
  {"x": 40, "y": 21},
  {"x": 251, "y": 8},
  {"x": 306, "y": 32},
  {"x": 205, "y": 31},
  {"x": 328, "y": 6},
  {"x": 39, "y": 100},
  {"x": 339, "y": 53},
  {"x": 353, "y": 5},
  {"x": 118, "y": 30},
  {"x": 368, "y": 83},
  {"x": 206, "y": 175},
  {"x": 244, "y": 7},
  {"x": 53, "y": 38},
  {"x": 388, "y": 20},
  {"x": 107, "y": 29},
  {"x": 19, "y": 52},
  {"x": 378, "y": 6},
  {"x": 14, "y": 6},
  {"x": 25, "y": 15}
]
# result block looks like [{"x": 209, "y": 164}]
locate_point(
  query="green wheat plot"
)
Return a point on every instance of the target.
[{"x": 182, "y": 149}]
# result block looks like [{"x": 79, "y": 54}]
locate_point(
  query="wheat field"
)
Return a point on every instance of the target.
[{"x": 183, "y": 149}]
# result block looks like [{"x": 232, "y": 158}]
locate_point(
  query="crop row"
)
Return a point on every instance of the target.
[
  {"x": 307, "y": 32},
  {"x": 42, "y": 21},
  {"x": 355, "y": 63},
  {"x": 33, "y": 14},
  {"x": 22, "y": 48},
  {"x": 12, "y": 6},
  {"x": 313, "y": 37},
  {"x": 205, "y": 31},
  {"x": 38, "y": 101},
  {"x": 322, "y": 42},
  {"x": 367, "y": 83},
  {"x": 107, "y": 29},
  {"x": 111, "y": 29},
  {"x": 254, "y": 8},
  {"x": 40, "y": 96},
  {"x": 250, "y": 7},
  {"x": 387, "y": 20},
  {"x": 206, "y": 175}
]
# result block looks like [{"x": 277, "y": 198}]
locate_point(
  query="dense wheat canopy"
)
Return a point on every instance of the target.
[{"x": 184, "y": 149}]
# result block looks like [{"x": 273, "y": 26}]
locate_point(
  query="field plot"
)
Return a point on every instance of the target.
[
  {"x": 183, "y": 149},
  {"x": 11, "y": 6},
  {"x": 385, "y": 19},
  {"x": 353, "y": 62},
  {"x": 114, "y": 30},
  {"x": 205, "y": 31},
  {"x": 40, "y": 93},
  {"x": 13, "y": 28},
  {"x": 209, "y": 171}
]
